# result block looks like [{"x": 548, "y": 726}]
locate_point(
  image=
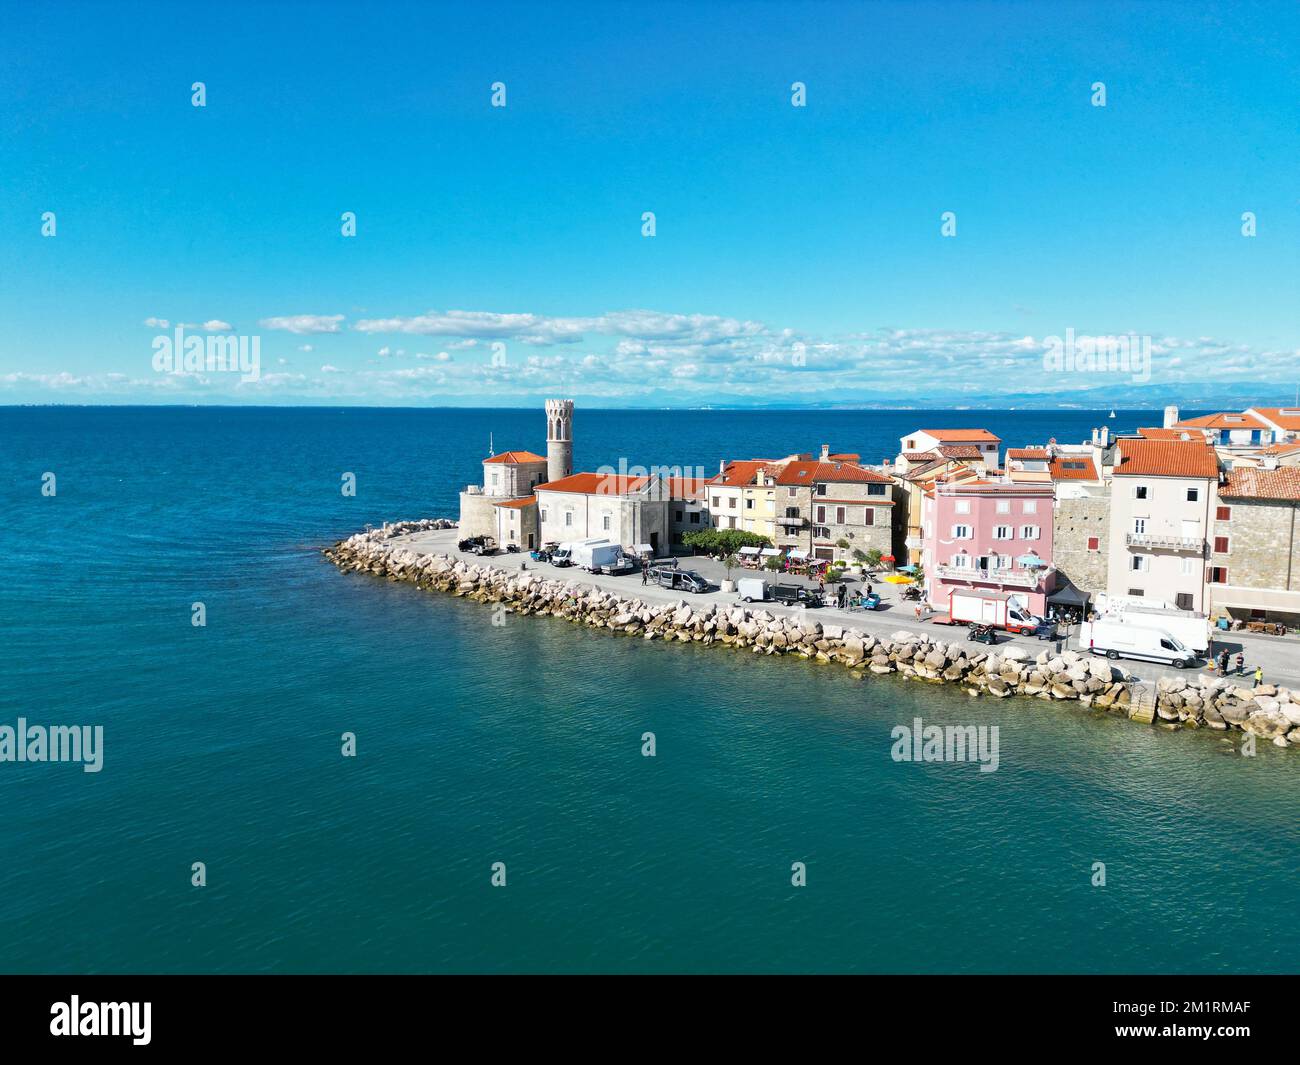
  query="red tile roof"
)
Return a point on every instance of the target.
[
  {"x": 1286, "y": 417},
  {"x": 960, "y": 451},
  {"x": 1165, "y": 458},
  {"x": 517, "y": 503},
  {"x": 596, "y": 484},
  {"x": 1221, "y": 421},
  {"x": 1073, "y": 468},
  {"x": 1248, "y": 483},
  {"x": 796, "y": 473},
  {"x": 1170, "y": 434},
  {"x": 960, "y": 435},
  {"x": 1280, "y": 449},
  {"x": 514, "y": 457},
  {"x": 1031, "y": 453},
  {"x": 742, "y": 473}
]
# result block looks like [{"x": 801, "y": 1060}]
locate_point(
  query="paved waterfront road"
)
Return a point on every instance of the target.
[{"x": 1279, "y": 655}]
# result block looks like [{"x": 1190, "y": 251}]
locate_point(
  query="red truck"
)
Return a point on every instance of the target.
[{"x": 990, "y": 608}]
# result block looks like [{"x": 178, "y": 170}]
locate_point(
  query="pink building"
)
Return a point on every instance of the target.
[{"x": 989, "y": 535}]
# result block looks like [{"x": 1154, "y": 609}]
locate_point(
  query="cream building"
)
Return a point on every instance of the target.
[{"x": 1162, "y": 505}]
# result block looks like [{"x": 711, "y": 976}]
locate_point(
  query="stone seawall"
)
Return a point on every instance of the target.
[{"x": 1268, "y": 712}]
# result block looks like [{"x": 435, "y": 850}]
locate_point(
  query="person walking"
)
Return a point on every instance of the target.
[
  {"x": 1241, "y": 664},
  {"x": 645, "y": 574},
  {"x": 1259, "y": 676}
]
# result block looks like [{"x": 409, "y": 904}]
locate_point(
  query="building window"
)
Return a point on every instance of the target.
[
  {"x": 1223, "y": 514},
  {"x": 1193, "y": 494},
  {"x": 1217, "y": 575},
  {"x": 791, "y": 492},
  {"x": 821, "y": 514},
  {"x": 791, "y": 512},
  {"x": 1139, "y": 526},
  {"x": 731, "y": 502},
  {"x": 1137, "y": 592},
  {"x": 1094, "y": 543},
  {"x": 961, "y": 532},
  {"x": 868, "y": 515},
  {"x": 542, "y": 513},
  {"x": 717, "y": 502},
  {"x": 1138, "y": 563},
  {"x": 1141, "y": 491},
  {"x": 604, "y": 523},
  {"x": 677, "y": 516},
  {"x": 1004, "y": 506},
  {"x": 1189, "y": 566},
  {"x": 961, "y": 561},
  {"x": 1002, "y": 532},
  {"x": 875, "y": 489},
  {"x": 695, "y": 517},
  {"x": 1220, "y": 545},
  {"x": 961, "y": 506},
  {"x": 910, "y": 445},
  {"x": 821, "y": 489},
  {"x": 839, "y": 515},
  {"x": 1029, "y": 532},
  {"x": 568, "y": 517},
  {"x": 1031, "y": 506},
  {"x": 1183, "y": 600},
  {"x": 749, "y": 503}
]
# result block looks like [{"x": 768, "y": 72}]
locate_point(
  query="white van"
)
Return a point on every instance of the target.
[
  {"x": 1192, "y": 630},
  {"x": 1123, "y": 639}
]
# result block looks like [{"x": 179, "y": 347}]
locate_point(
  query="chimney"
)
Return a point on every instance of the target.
[
  {"x": 1105, "y": 433},
  {"x": 1171, "y": 417},
  {"x": 826, "y": 452},
  {"x": 722, "y": 466}
]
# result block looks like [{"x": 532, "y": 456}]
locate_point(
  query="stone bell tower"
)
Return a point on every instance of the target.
[{"x": 559, "y": 438}]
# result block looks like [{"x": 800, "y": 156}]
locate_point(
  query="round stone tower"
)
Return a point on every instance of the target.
[{"x": 559, "y": 438}]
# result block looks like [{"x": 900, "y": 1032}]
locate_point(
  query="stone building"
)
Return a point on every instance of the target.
[
  {"x": 823, "y": 503},
  {"x": 624, "y": 510},
  {"x": 499, "y": 506},
  {"x": 1253, "y": 571}
]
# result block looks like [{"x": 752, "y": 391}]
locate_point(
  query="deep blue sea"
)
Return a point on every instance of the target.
[{"x": 522, "y": 743}]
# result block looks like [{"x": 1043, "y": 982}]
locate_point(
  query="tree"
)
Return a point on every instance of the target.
[
  {"x": 773, "y": 564},
  {"x": 729, "y": 562},
  {"x": 720, "y": 542},
  {"x": 874, "y": 556}
]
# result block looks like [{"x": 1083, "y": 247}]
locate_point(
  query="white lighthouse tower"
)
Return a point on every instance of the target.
[{"x": 559, "y": 438}]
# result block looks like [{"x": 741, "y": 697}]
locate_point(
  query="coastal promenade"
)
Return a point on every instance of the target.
[{"x": 1280, "y": 656}]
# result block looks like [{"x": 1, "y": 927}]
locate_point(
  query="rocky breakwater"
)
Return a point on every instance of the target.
[{"x": 1088, "y": 682}]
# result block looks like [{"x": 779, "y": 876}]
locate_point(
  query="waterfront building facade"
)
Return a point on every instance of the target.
[
  {"x": 743, "y": 496},
  {"x": 1253, "y": 570},
  {"x": 830, "y": 509},
  {"x": 624, "y": 510},
  {"x": 1162, "y": 500},
  {"x": 983, "y": 535},
  {"x": 507, "y": 478},
  {"x": 969, "y": 445}
]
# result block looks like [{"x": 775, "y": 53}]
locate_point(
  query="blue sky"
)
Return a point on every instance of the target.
[{"x": 797, "y": 256}]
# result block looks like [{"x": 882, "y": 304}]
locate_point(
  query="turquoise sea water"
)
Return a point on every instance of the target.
[{"x": 521, "y": 744}]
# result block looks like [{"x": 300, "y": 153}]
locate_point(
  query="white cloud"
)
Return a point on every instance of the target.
[
  {"x": 157, "y": 323},
  {"x": 304, "y": 323},
  {"x": 216, "y": 325}
]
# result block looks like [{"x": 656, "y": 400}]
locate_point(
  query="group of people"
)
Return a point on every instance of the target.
[{"x": 1223, "y": 660}]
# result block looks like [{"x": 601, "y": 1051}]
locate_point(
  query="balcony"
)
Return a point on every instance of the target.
[
  {"x": 1007, "y": 578},
  {"x": 791, "y": 522},
  {"x": 1157, "y": 542}
]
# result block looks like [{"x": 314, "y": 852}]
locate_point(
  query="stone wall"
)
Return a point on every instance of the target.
[
  {"x": 1074, "y": 521},
  {"x": 1269, "y": 713},
  {"x": 1263, "y": 551}
]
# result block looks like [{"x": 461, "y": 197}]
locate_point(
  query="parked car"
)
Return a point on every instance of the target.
[
  {"x": 679, "y": 579},
  {"x": 982, "y": 634},
  {"x": 1046, "y": 630},
  {"x": 620, "y": 565},
  {"x": 478, "y": 545}
]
